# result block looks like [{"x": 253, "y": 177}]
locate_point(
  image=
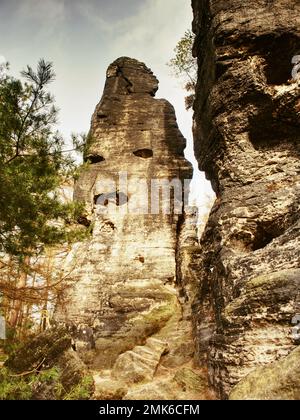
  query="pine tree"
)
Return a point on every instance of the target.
[{"x": 32, "y": 164}]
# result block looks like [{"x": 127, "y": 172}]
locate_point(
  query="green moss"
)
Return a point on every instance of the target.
[
  {"x": 267, "y": 281},
  {"x": 190, "y": 380},
  {"x": 3, "y": 357},
  {"x": 42, "y": 386},
  {"x": 281, "y": 286},
  {"x": 141, "y": 327},
  {"x": 277, "y": 381},
  {"x": 49, "y": 375}
]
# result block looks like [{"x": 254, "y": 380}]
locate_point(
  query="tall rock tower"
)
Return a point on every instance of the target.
[{"x": 125, "y": 300}]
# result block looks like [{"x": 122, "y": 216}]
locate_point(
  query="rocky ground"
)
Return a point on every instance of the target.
[{"x": 162, "y": 368}]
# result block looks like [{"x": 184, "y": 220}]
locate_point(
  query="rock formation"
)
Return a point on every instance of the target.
[
  {"x": 247, "y": 136},
  {"x": 128, "y": 304}
]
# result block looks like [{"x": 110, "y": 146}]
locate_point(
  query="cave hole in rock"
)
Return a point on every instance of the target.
[
  {"x": 110, "y": 224},
  {"x": 101, "y": 116},
  {"x": 270, "y": 133},
  {"x": 144, "y": 153},
  {"x": 116, "y": 197},
  {"x": 265, "y": 131},
  {"x": 265, "y": 234},
  {"x": 222, "y": 67},
  {"x": 83, "y": 220},
  {"x": 94, "y": 159},
  {"x": 277, "y": 53}
]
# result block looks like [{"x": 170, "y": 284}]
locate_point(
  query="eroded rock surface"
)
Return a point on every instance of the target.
[
  {"x": 247, "y": 132},
  {"x": 278, "y": 381}
]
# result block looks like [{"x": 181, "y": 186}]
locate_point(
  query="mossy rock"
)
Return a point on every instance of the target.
[
  {"x": 277, "y": 381},
  {"x": 269, "y": 290},
  {"x": 141, "y": 327},
  {"x": 191, "y": 380},
  {"x": 43, "y": 349},
  {"x": 73, "y": 370},
  {"x": 46, "y": 368}
]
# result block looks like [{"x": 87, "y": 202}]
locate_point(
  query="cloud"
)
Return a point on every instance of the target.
[
  {"x": 46, "y": 10},
  {"x": 106, "y": 15},
  {"x": 152, "y": 30},
  {"x": 83, "y": 38}
]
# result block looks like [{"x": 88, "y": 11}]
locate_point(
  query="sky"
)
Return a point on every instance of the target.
[{"x": 82, "y": 38}]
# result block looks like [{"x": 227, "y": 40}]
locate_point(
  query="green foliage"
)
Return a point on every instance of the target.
[
  {"x": 32, "y": 165},
  {"x": 3, "y": 356},
  {"x": 11, "y": 343},
  {"x": 51, "y": 378},
  {"x": 82, "y": 143},
  {"x": 27, "y": 387},
  {"x": 13, "y": 388},
  {"x": 82, "y": 391},
  {"x": 49, "y": 375},
  {"x": 184, "y": 65}
]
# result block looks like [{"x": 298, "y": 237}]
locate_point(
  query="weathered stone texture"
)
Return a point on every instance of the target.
[
  {"x": 128, "y": 267},
  {"x": 129, "y": 296},
  {"x": 246, "y": 130},
  {"x": 278, "y": 381}
]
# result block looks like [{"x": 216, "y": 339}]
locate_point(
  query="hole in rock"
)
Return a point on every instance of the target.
[
  {"x": 144, "y": 153},
  {"x": 94, "y": 159},
  {"x": 117, "y": 198},
  {"x": 278, "y": 53},
  {"x": 108, "y": 227},
  {"x": 101, "y": 116},
  {"x": 221, "y": 68},
  {"x": 83, "y": 220},
  {"x": 266, "y": 131},
  {"x": 265, "y": 234}
]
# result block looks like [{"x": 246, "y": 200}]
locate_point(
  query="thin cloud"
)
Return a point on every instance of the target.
[
  {"x": 49, "y": 10},
  {"x": 83, "y": 38}
]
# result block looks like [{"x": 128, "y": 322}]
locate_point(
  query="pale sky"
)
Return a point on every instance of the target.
[{"x": 82, "y": 38}]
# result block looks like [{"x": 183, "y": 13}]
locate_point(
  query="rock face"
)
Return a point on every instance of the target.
[
  {"x": 127, "y": 301},
  {"x": 247, "y": 134},
  {"x": 278, "y": 381}
]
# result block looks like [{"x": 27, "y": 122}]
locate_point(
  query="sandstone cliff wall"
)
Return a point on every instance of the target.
[{"x": 246, "y": 130}]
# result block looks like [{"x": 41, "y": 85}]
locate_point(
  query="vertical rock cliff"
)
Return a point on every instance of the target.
[
  {"x": 246, "y": 131},
  {"x": 128, "y": 305}
]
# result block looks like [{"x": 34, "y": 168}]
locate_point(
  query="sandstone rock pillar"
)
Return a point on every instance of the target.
[{"x": 123, "y": 287}]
